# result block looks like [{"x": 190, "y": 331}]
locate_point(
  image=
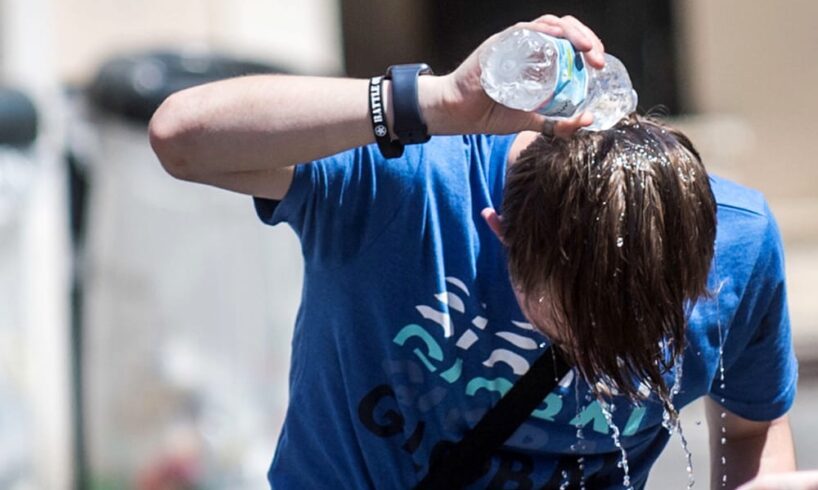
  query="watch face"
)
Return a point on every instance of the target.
[{"x": 380, "y": 130}]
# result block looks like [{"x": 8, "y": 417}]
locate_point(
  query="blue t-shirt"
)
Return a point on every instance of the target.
[{"x": 409, "y": 331}]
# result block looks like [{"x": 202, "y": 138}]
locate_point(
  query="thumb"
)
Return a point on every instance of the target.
[{"x": 567, "y": 127}]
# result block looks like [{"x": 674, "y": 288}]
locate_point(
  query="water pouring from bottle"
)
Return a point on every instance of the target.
[{"x": 531, "y": 71}]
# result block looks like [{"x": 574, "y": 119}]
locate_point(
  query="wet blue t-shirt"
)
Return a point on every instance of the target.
[{"x": 409, "y": 330}]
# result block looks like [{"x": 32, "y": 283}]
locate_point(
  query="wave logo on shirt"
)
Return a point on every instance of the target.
[
  {"x": 467, "y": 339},
  {"x": 430, "y": 354},
  {"x": 423, "y": 340},
  {"x": 451, "y": 352}
]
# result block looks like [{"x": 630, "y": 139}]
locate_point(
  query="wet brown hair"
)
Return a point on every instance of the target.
[{"x": 616, "y": 228}]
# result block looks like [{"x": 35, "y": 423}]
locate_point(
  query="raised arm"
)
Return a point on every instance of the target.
[
  {"x": 266, "y": 122},
  {"x": 243, "y": 133}
]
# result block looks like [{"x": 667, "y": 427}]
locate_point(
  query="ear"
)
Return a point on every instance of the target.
[{"x": 495, "y": 222}]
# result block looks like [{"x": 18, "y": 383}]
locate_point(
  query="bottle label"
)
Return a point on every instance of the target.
[{"x": 572, "y": 82}]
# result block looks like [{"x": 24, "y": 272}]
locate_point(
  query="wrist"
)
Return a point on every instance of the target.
[
  {"x": 437, "y": 105},
  {"x": 398, "y": 109}
]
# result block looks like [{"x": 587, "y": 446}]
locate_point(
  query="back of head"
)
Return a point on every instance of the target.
[{"x": 617, "y": 229}]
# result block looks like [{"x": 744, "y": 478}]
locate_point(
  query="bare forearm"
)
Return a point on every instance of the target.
[
  {"x": 270, "y": 121},
  {"x": 750, "y": 448},
  {"x": 245, "y": 134},
  {"x": 749, "y": 457}
]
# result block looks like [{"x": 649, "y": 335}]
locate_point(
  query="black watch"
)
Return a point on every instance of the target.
[{"x": 410, "y": 128}]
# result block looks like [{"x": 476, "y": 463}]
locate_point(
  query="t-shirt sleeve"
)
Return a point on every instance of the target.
[
  {"x": 339, "y": 204},
  {"x": 761, "y": 371}
]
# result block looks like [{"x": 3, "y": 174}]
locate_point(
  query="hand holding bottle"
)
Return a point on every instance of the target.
[
  {"x": 476, "y": 112},
  {"x": 532, "y": 71}
]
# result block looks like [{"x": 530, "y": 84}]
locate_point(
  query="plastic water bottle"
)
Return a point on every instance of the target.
[{"x": 532, "y": 71}]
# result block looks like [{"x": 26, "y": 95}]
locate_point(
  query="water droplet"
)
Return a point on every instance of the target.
[
  {"x": 677, "y": 375},
  {"x": 565, "y": 481},
  {"x": 723, "y": 415},
  {"x": 581, "y": 465},
  {"x": 615, "y": 436},
  {"x": 698, "y": 422},
  {"x": 723, "y": 460},
  {"x": 688, "y": 455},
  {"x": 721, "y": 386},
  {"x": 724, "y": 440},
  {"x": 619, "y": 242}
]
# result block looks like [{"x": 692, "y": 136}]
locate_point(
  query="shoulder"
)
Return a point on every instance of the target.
[
  {"x": 749, "y": 255},
  {"x": 748, "y": 243},
  {"x": 733, "y": 197},
  {"x": 745, "y": 223},
  {"x": 748, "y": 282}
]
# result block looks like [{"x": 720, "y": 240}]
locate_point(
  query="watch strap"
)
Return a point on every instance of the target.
[{"x": 409, "y": 125}]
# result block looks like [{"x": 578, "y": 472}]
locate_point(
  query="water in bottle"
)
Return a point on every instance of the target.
[{"x": 532, "y": 71}]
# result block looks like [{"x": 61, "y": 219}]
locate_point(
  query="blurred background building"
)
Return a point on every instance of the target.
[{"x": 145, "y": 323}]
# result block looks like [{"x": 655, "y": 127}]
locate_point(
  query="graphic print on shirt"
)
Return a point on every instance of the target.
[{"x": 454, "y": 358}]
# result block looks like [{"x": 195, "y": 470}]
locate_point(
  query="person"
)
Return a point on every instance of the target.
[{"x": 433, "y": 280}]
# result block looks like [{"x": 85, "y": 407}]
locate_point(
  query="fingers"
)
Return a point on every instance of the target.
[
  {"x": 580, "y": 35},
  {"x": 561, "y": 128},
  {"x": 566, "y": 128},
  {"x": 595, "y": 54},
  {"x": 555, "y": 30},
  {"x": 571, "y": 28},
  {"x": 548, "y": 19}
]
